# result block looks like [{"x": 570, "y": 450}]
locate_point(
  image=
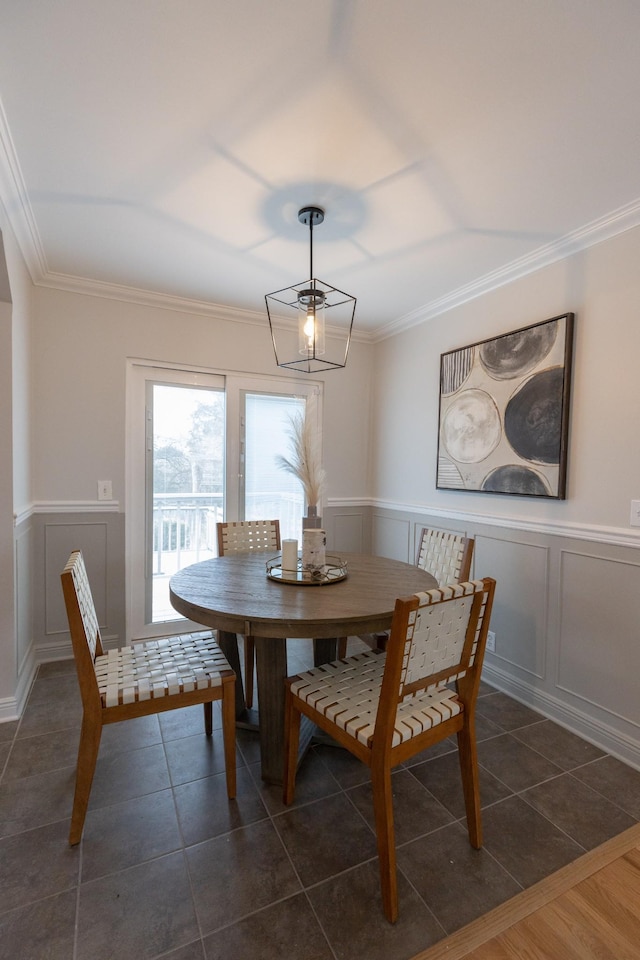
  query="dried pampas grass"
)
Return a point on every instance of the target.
[{"x": 306, "y": 461}]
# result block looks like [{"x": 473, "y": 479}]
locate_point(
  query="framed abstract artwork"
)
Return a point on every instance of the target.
[{"x": 504, "y": 412}]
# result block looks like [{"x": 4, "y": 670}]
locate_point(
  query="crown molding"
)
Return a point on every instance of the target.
[
  {"x": 147, "y": 298},
  {"x": 16, "y": 205},
  {"x": 19, "y": 214},
  {"x": 164, "y": 301},
  {"x": 618, "y": 221}
]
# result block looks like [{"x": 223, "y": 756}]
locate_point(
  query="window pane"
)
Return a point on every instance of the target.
[
  {"x": 271, "y": 492},
  {"x": 187, "y": 484}
]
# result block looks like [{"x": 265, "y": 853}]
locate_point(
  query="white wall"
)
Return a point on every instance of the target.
[
  {"x": 81, "y": 344},
  {"x": 79, "y": 363},
  {"x": 380, "y": 454},
  {"x": 602, "y": 287},
  {"x": 568, "y": 572}
]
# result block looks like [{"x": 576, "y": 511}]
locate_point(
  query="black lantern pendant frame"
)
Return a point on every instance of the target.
[{"x": 313, "y": 294}]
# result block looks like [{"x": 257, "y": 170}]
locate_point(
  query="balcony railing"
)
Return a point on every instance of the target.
[
  {"x": 184, "y": 532},
  {"x": 184, "y": 526}
]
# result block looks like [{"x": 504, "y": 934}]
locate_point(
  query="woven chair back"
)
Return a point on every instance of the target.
[
  {"x": 446, "y": 556},
  {"x": 248, "y": 536},
  {"x": 83, "y": 627},
  {"x": 442, "y": 636}
]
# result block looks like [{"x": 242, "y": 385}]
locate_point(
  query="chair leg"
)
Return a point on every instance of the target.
[
  {"x": 90, "y": 735},
  {"x": 291, "y": 745},
  {"x": 229, "y": 734},
  {"x": 249, "y": 661},
  {"x": 468, "y": 755},
  {"x": 385, "y": 836},
  {"x": 381, "y": 641},
  {"x": 208, "y": 717}
]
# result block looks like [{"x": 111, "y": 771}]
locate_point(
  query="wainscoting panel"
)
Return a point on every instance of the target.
[
  {"x": 345, "y": 530},
  {"x": 519, "y": 619},
  {"x": 60, "y": 538},
  {"x": 100, "y": 536},
  {"x": 565, "y": 613},
  {"x": 392, "y": 537},
  {"x": 565, "y": 616},
  {"x": 599, "y": 648}
]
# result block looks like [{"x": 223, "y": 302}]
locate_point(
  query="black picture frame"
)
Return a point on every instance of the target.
[{"x": 503, "y": 417}]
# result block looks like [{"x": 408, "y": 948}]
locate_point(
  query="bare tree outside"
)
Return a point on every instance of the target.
[{"x": 189, "y": 470}]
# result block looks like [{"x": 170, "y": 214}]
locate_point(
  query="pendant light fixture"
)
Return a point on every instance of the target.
[{"x": 313, "y": 303}]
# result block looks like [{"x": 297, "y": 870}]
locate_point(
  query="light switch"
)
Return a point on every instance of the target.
[
  {"x": 105, "y": 490},
  {"x": 635, "y": 513}
]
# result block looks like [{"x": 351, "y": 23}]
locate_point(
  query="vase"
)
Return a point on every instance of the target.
[
  {"x": 312, "y": 521},
  {"x": 314, "y": 552}
]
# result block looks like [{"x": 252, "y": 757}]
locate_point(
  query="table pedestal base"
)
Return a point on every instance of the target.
[{"x": 271, "y": 670}]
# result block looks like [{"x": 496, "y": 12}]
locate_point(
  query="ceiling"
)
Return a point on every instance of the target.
[{"x": 164, "y": 147}]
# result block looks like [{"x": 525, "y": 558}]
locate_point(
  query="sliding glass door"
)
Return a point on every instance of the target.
[
  {"x": 185, "y": 483},
  {"x": 267, "y": 490},
  {"x": 202, "y": 448}
]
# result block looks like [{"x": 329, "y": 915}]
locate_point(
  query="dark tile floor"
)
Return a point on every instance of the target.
[{"x": 169, "y": 868}]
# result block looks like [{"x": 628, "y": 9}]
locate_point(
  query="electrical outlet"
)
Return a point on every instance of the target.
[
  {"x": 105, "y": 490},
  {"x": 491, "y": 641},
  {"x": 635, "y": 513}
]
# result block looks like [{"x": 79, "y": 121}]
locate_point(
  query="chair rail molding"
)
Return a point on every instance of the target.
[
  {"x": 597, "y": 533},
  {"x": 66, "y": 506}
]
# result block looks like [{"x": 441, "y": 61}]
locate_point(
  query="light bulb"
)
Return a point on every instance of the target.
[
  {"x": 309, "y": 327},
  {"x": 311, "y": 322}
]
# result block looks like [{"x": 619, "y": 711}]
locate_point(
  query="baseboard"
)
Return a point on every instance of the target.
[
  {"x": 11, "y": 708},
  {"x": 60, "y": 649},
  {"x": 576, "y": 721}
]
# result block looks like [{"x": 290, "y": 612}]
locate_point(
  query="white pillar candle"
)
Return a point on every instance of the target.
[{"x": 290, "y": 555}]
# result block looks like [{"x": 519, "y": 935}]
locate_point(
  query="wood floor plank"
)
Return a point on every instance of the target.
[
  {"x": 568, "y": 928},
  {"x": 591, "y": 931},
  {"x": 551, "y": 932},
  {"x": 633, "y": 856},
  {"x": 493, "y": 950},
  {"x": 586, "y": 911},
  {"x": 613, "y": 892}
]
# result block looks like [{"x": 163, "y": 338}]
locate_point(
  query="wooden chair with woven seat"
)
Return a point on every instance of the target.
[
  {"x": 447, "y": 556},
  {"x": 248, "y": 536},
  {"x": 138, "y": 680},
  {"x": 386, "y": 707}
]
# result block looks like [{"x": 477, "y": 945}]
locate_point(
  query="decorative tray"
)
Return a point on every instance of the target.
[{"x": 333, "y": 571}]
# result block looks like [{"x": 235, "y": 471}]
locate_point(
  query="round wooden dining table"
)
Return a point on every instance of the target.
[{"x": 235, "y": 595}]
